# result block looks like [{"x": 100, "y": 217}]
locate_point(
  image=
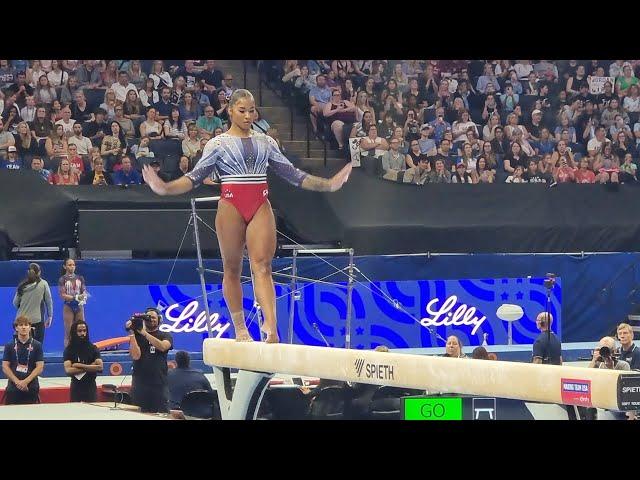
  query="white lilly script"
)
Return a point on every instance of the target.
[
  {"x": 462, "y": 316},
  {"x": 186, "y": 323}
]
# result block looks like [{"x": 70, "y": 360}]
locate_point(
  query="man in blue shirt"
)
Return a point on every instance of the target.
[
  {"x": 127, "y": 175},
  {"x": 629, "y": 352},
  {"x": 164, "y": 106},
  {"x": 547, "y": 348},
  {"x": 183, "y": 380}
]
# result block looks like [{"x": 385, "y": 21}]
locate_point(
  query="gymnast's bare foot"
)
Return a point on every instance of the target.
[
  {"x": 271, "y": 337},
  {"x": 242, "y": 335}
]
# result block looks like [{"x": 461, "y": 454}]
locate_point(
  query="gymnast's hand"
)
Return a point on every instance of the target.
[
  {"x": 152, "y": 179},
  {"x": 340, "y": 178}
]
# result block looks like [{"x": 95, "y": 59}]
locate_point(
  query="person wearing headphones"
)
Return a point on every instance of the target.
[
  {"x": 148, "y": 348},
  {"x": 33, "y": 300}
]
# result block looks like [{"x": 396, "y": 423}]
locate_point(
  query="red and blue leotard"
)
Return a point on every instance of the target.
[{"x": 241, "y": 164}]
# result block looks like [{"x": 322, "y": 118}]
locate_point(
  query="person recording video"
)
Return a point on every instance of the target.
[{"x": 148, "y": 347}]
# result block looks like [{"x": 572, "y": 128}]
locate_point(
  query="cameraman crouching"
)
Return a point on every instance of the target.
[
  {"x": 604, "y": 356},
  {"x": 148, "y": 348}
]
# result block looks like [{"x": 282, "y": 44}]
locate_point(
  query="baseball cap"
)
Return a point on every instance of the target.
[
  {"x": 424, "y": 126},
  {"x": 459, "y": 162},
  {"x": 12, "y": 149}
]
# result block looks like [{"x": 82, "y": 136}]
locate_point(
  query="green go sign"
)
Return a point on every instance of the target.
[{"x": 434, "y": 408}]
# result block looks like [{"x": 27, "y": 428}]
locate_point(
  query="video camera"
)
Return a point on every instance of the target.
[{"x": 136, "y": 321}]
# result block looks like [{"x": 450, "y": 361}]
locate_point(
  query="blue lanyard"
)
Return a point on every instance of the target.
[{"x": 29, "y": 349}]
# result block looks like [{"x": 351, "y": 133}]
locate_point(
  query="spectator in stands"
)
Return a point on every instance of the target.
[
  {"x": 150, "y": 127},
  {"x": 64, "y": 175},
  {"x": 211, "y": 77},
  {"x": 67, "y": 122},
  {"x": 80, "y": 110},
  {"x": 403, "y": 146},
  {"x": 136, "y": 75},
  {"x": 319, "y": 96},
  {"x": 97, "y": 176},
  {"x": 164, "y": 106},
  {"x": 191, "y": 144},
  {"x": 126, "y": 125},
  {"x": 576, "y": 81},
  {"x": 604, "y": 99},
  {"x": 304, "y": 83},
  {"x": 595, "y": 145},
  {"x": 531, "y": 175},
  {"x": 56, "y": 145},
  {"x": 12, "y": 162},
  {"x": 440, "y": 174},
  {"x": 82, "y": 362},
  {"x": 109, "y": 73},
  {"x": 189, "y": 107},
  {"x": 174, "y": 127},
  {"x": 112, "y": 146},
  {"x": 487, "y": 77},
  {"x": 361, "y": 129},
  {"x": 337, "y": 113},
  {"x": 468, "y": 157},
  {"x": 97, "y": 128},
  {"x": 460, "y": 126},
  {"x": 122, "y": 87},
  {"x": 21, "y": 89},
  {"x": 372, "y": 144},
  {"x": 516, "y": 176},
  {"x": 177, "y": 92},
  {"x": 411, "y": 126},
  {"x": 420, "y": 174},
  {"x": 480, "y": 353},
  {"x": 127, "y": 175},
  {"x": 141, "y": 150},
  {"x": 44, "y": 93},
  {"x": 132, "y": 109},
  {"x": 414, "y": 154},
  {"x": 69, "y": 90},
  {"x": 57, "y": 76},
  {"x": 76, "y": 161},
  {"x": 461, "y": 174},
  {"x": 184, "y": 166},
  {"x": 488, "y": 131},
  {"x": 609, "y": 114},
  {"x": 427, "y": 144},
  {"x": 34, "y": 73},
  {"x": 37, "y": 165},
  {"x": 619, "y": 126},
  {"x": 148, "y": 95},
  {"x": 484, "y": 174},
  {"x": 628, "y": 170},
  {"x": 201, "y": 98},
  {"x": 607, "y": 164},
  {"x": 259, "y": 123},
  {"x": 453, "y": 348},
  {"x": 509, "y": 99},
  {"x": 515, "y": 158},
  {"x": 227, "y": 85},
  {"x": 28, "y": 112},
  {"x": 207, "y": 123},
  {"x": 22, "y": 362},
  {"x": 221, "y": 106},
  {"x": 148, "y": 348},
  {"x": 26, "y": 145},
  {"x": 546, "y": 144},
  {"x": 55, "y": 111},
  {"x": 393, "y": 160},
  {"x": 584, "y": 174},
  {"x": 82, "y": 143},
  {"x": 184, "y": 379},
  {"x": 109, "y": 104},
  {"x": 626, "y": 80}
]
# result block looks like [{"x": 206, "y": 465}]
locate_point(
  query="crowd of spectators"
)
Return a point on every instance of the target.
[
  {"x": 475, "y": 121},
  {"x": 98, "y": 122}
]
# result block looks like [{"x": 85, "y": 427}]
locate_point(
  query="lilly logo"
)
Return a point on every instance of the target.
[
  {"x": 463, "y": 315},
  {"x": 184, "y": 322}
]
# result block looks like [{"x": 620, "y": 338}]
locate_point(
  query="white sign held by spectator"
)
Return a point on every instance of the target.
[
  {"x": 596, "y": 85},
  {"x": 354, "y": 150}
]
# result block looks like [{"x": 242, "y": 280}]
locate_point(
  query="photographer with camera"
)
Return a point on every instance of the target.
[
  {"x": 605, "y": 356},
  {"x": 148, "y": 347}
]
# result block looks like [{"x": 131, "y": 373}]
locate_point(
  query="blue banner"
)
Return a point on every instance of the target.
[{"x": 399, "y": 314}]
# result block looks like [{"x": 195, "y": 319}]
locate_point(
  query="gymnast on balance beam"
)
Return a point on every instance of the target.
[{"x": 240, "y": 158}]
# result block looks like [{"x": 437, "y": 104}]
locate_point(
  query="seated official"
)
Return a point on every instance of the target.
[{"x": 183, "y": 380}]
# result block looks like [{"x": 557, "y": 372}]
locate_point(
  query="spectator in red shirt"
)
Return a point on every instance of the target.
[{"x": 584, "y": 174}]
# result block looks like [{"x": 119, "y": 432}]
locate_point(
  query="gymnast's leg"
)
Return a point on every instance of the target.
[
  {"x": 231, "y": 228},
  {"x": 261, "y": 244}
]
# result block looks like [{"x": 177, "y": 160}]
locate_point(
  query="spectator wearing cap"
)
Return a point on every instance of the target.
[
  {"x": 12, "y": 162},
  {"x": 420, "y": 174},
  {"x": 460, "y": 175},
  {"x": 427, "y": 144}
]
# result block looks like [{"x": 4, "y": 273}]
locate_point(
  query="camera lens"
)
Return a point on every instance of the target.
[{"x": 605, "y": 352}]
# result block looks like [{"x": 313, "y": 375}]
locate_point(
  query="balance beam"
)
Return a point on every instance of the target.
[{"x": 521, "y": 381}]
